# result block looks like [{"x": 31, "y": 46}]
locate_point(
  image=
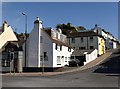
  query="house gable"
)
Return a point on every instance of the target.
[{"x": 7, "y": 35}]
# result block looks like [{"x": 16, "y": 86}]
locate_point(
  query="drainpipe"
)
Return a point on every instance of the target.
[{"x": 87, "y": 43}]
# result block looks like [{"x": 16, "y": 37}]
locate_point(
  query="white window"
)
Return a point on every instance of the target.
[
  {"x": 5, "y": 63},
  {"x": 68, "y": 58},
  {"x": 65, "y": 59},
  {"x": 58, "y": 60},
  {"x": 53, "y": 34}
]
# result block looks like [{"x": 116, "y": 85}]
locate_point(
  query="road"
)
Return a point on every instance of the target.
[{"x": 104, "y": 75}]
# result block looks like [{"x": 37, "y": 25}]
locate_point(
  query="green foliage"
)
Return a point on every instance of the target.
[
  {"x": 81, "y": 28},
  {"x": 21, "y": 36},
  {"x": 69, "y": 28}
]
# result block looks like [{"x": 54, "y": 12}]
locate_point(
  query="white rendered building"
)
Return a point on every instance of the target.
[
  {"x": 110, "y": 40},
  {"x": 46, "y": 48}
]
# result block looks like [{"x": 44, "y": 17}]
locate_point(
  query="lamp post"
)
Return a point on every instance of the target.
[
  {"x": 26, "y": 22},
  {"x": 25, "y": 35}
]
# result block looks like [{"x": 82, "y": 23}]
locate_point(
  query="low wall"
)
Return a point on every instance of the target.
[{"x": 91, "y": 57}]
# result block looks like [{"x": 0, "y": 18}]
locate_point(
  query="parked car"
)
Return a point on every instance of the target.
[{"x": 75, "y": 62}]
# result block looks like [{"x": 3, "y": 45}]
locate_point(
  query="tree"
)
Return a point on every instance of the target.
[
  {"x": 80, "y": 28},
  {"x": 66, "y": 28}
]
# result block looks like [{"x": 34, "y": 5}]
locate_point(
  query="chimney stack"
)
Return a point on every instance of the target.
[
  {"x": 38, "y": 22},
  {"x": 5, "y": 25}
]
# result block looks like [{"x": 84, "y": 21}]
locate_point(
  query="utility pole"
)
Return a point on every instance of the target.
[
  {"x": 11, "y": 58},
  {"x": 43, "y": 62},
  {"x": 43, "y": 65}
]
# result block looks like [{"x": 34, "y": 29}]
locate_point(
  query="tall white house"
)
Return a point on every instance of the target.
[{"x": 46, "y": 48}]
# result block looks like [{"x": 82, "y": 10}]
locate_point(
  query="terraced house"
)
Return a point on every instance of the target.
[
  {"x": 87, "y": 40},
  {"x": 110, "y": 41}
]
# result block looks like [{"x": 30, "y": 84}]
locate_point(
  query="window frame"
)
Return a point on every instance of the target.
[
  {"x": 91, "y": 47},
  {"x": 41, "y": 39},
  {"x": 91, "y": 38},
  {"x": 81, "y": 39},
  {"x": 73, "y": 40},
  {"x": 58, "y": 60}
]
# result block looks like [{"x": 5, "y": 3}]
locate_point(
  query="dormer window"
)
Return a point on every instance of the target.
[{"x": 59, "y": 30}]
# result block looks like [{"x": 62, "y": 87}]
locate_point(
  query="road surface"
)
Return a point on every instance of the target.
[{"x": 104, "y": 75}]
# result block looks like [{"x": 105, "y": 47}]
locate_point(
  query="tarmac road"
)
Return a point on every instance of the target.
[{"x": 104, "y": 75}]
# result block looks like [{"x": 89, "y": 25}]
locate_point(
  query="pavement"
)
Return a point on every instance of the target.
[{"x": 91, "y": 64}]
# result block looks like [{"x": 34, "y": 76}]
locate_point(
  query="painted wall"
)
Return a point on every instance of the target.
[
  {"x": 46, "y": 45},
  {"x": 91, "y": 57},
  {"x": 86, "y": 42},
  {"x": 93, "y": 42},
  {"x": 97, "y": 42},
  {"x": 101, "y": 46},
  {"x": 32, "y": 50},
  {"x": 40, "y": 42},
  {"x": 0, "y": 61},
  {"x": 65, "y": 53},
  {"x": 7, "y": 35},
  {"x": 114, "y": 45},
  {"x": 110, "y": 44},
  {"x": 78, "y": 42},
  {"x": 55, "y": 34}
]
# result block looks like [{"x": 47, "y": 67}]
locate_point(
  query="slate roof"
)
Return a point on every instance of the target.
[
  {"x": 18, "y": 44},
  {"x": 1, "y": 30},
  {"x": 82, "y": 34},
  {"x": 81, "y": 52},
  {"x": 59, "y": 42}
]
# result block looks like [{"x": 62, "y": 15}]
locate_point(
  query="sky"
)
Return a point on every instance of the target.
[{"x": 86, "y": 14}]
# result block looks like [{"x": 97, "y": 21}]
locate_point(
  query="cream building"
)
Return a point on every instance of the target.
[{"x": 6, "y": 34}]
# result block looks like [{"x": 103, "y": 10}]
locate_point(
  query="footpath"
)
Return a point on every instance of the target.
[{"x": 91, "y": 64}]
